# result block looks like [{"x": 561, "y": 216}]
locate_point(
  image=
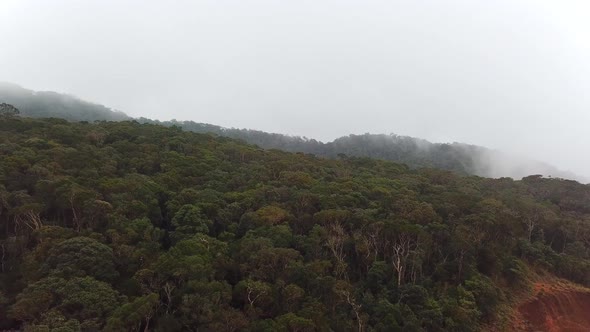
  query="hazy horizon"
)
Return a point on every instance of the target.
[{"x": 507, "y": 75}]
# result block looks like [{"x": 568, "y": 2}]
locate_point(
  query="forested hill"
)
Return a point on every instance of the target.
[
  {"x": 45, "y": 104},
  {"x": 121, "y": 226},
  {"x": 414, "y": 152}
]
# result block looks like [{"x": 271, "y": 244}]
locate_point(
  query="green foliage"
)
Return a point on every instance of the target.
[
  {"x": 81, "y": 256},
  {"x": 86, "y": 300},
  {"x": 187, "y": 221},
  {"x": 130, "y": 316},
  {"x": 128, "y": 226},
  {"x": 413, "y": 152}
]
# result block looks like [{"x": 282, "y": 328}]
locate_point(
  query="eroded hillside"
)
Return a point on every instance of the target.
[{"x": 555, "y": 307}]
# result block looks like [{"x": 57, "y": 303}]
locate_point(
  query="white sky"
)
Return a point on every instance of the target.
[{"x": 507, "y": 74}]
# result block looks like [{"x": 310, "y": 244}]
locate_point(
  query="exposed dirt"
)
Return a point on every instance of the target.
[{"x": 554, "y": 307}]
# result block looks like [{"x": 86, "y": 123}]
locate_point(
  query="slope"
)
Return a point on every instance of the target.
[
  {"x": 125, "y": 226},
  {"x": 555, "y": 306},
  {"x": 47, "y": 104},
  {"x": 414, "y": 152}
]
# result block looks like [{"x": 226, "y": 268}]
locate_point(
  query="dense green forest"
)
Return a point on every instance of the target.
[
  {"x": 414, "y": 152},
  {"x": 123, "y": 226}
]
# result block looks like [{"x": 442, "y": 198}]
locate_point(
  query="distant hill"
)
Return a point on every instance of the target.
[
  {"x": 414, "y": 152},
  {"x": 45, "y": 104}
]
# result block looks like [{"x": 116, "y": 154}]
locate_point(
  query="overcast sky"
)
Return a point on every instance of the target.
[{"x": 507, "y": 74}]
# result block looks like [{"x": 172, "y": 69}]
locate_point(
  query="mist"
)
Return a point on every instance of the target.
[
  {"x": 497, "y": 164},
  {"x": 509, "y": 75}
]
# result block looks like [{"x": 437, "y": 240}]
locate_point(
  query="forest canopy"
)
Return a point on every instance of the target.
[
  {"x": 414, "y": 152},
  {"x": 127, "y": 226}
]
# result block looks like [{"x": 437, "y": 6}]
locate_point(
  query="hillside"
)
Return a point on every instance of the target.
[
  {"x": 125, "y": 226},
  {"x": 414, "y": 152},
  {"x": 46, "y": 104},
  {"x": 554, "y": 307}
]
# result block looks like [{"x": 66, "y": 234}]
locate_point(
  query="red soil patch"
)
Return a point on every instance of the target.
[{"x": 556, "y": 307}]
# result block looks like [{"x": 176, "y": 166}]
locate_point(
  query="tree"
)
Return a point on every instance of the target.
[
  {"x": 201, "y": 302},
  {"x": 333, "y": 221},
  {"x": 293, "y": 323},
  {"x": 228, "y": 319},
  {"x": 81, "y": 256},
  {"x": 190, "y": 259},
  {"x": 272, "y": 215},
  {"x": 8, "y": 111},
  {"x": 293, "y": 295},
  {"x": 345, "y": 291},
  {"x": 188, "y": 221},
  {"x": 254, "y": 294},
  {"x": 73, "y": 197},
  {"x": 402, "y": 244},
  {"x": 84, "y": 299},
  {"x": 131, "y": 316}
]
